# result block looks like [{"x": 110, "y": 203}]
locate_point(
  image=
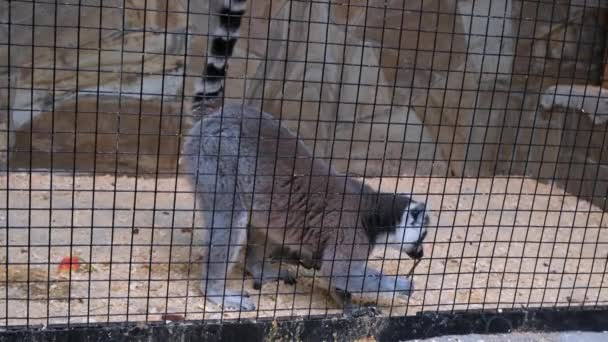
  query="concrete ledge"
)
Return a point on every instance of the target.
[{"x": 330, "y": 328}]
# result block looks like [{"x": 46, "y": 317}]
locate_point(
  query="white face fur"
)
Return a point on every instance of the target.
[{"x": 409, "y": 233}]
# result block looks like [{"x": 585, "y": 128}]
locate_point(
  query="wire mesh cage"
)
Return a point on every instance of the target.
[{"x": 491, "y": 114}]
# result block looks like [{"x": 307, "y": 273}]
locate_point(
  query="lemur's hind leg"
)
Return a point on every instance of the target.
[
  {"x": 260, "y": 265},
  {"x": 227, "y": 238}
]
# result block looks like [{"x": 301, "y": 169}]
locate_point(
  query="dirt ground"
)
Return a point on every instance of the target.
[{"x": 494, "y": 243}]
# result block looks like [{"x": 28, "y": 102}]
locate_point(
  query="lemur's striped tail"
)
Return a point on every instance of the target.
[{"x": 226, "y": 20}]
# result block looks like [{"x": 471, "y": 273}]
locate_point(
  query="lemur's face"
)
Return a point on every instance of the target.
[{"x": 410, "y": 232}]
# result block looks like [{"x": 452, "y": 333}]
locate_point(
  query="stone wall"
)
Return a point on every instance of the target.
[
  {"x": 559, "y": 43},
  {"x": 440, "y": 87},
  {"x": 82, "y": 95}
]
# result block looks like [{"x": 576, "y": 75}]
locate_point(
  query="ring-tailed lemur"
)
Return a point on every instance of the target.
[{"x": 258, "y": 186}]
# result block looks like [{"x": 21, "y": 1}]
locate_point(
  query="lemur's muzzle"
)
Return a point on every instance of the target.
[{"x": 418, "y": 252}]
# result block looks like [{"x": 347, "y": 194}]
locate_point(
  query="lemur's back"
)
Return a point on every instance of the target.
[
  {"x": 286, "y": 189},
  {"x": 252, "y": 142}
]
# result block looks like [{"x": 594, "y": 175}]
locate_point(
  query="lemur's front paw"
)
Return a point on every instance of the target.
[{"x": 400, "y": 285}]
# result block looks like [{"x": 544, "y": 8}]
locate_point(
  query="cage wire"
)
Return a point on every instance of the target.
[{"x": 490, "y": 111}]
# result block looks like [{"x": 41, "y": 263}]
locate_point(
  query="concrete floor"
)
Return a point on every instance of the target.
[{"x": 571, "y": 336}]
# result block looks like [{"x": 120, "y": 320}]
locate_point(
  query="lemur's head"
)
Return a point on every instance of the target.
[
  {"x": 411, "y": 230},
  {"x": 399, "y": 222}
]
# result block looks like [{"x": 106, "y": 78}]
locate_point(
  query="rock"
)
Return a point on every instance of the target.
[{"x": 438, "y": 87}]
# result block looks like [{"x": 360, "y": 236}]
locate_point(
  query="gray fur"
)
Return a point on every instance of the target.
[{"x": 259, "y": 186}]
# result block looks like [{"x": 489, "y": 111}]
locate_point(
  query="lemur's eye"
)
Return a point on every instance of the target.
[{"x": 417, "y": 211}]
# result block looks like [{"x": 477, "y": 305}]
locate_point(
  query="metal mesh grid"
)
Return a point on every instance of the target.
[{"x": 450, "y": 101}]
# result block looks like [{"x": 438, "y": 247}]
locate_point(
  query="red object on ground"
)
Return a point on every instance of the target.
[
  {"x": 173, "y": 317},
  {"x": 69, "y": 263}
]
